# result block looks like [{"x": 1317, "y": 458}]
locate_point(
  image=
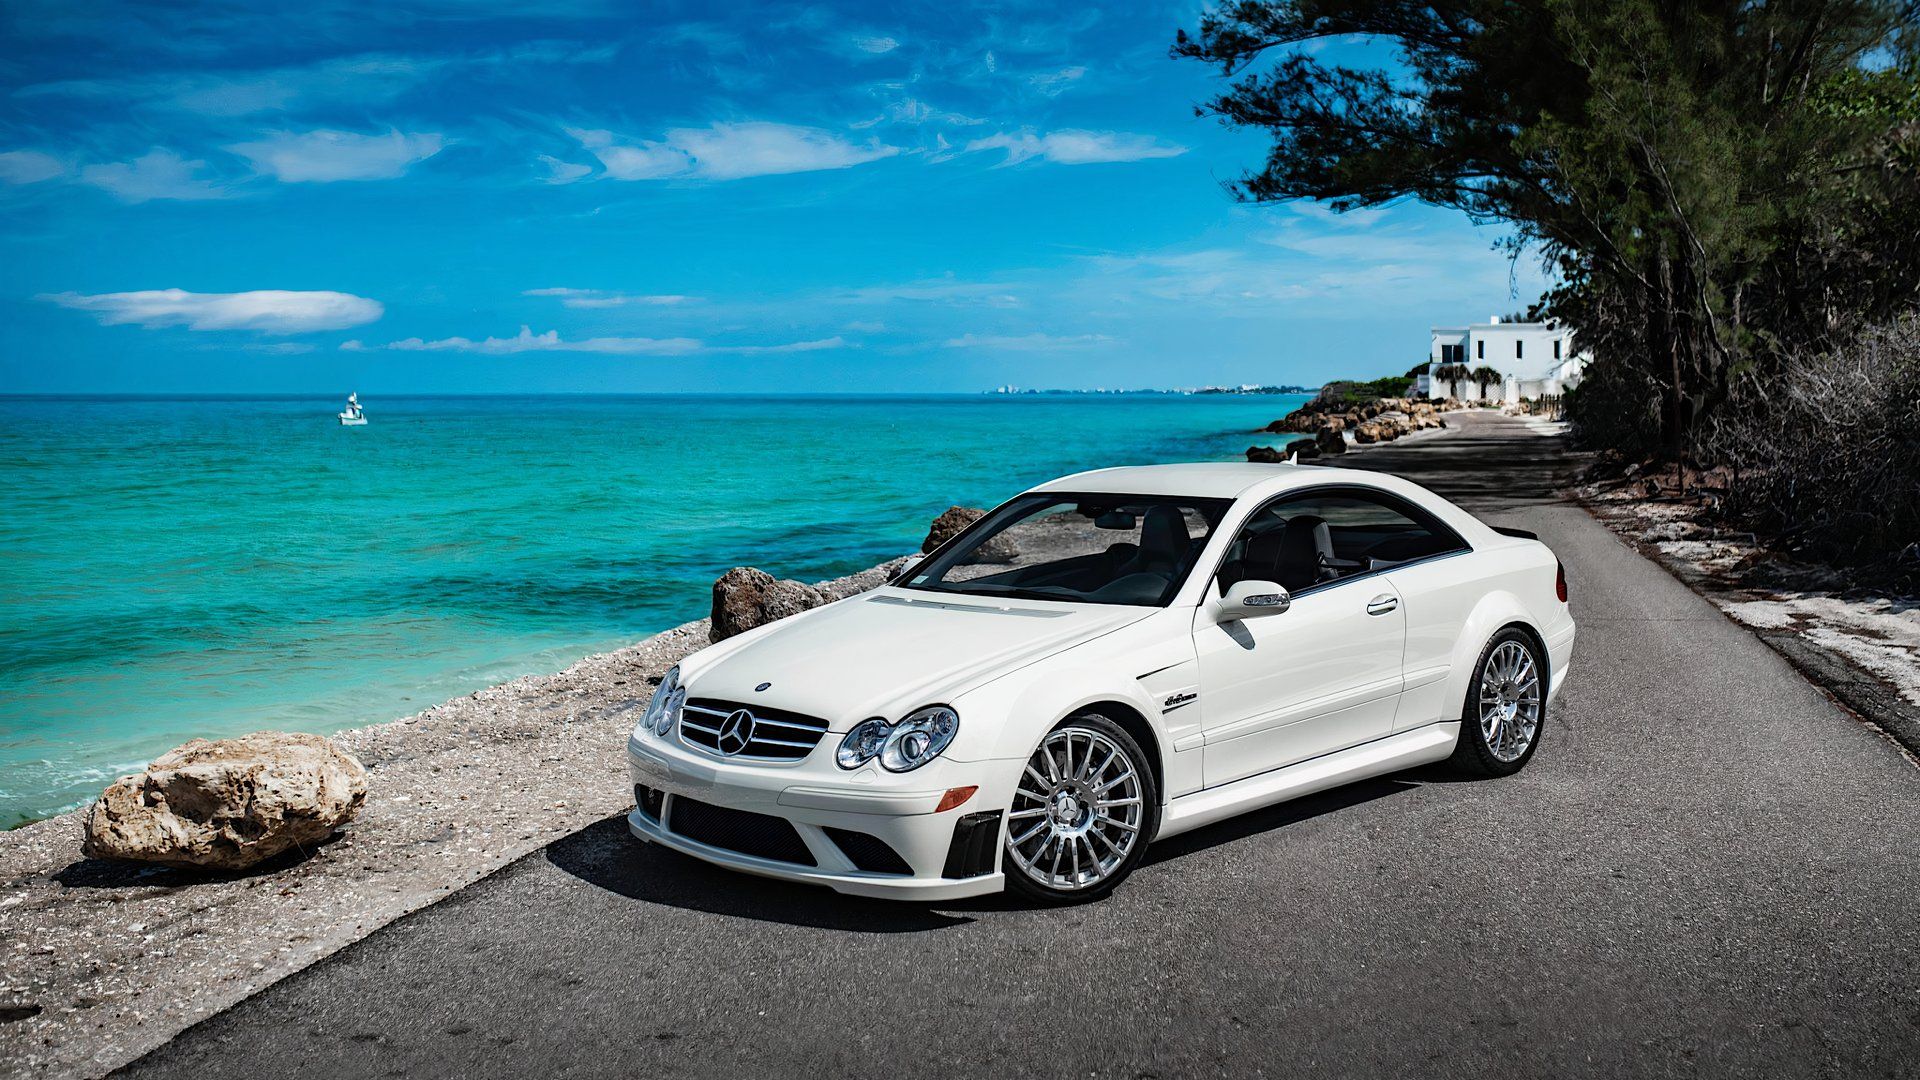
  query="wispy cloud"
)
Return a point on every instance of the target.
[
  {"x": 325, "y": 156},
  {"x": 551, "y": 341},
  {"x": 1026, "y": 342},
  {"x": 877, "y": 44},
  {"x": 1054, "y": 83},
  {"x": 269, "y": 311},
  {"x": 914, "y": 111},
  {"x": 601, "y": 298},
  {"x": 563, "y": 172},
  {"x": 728, "y": 151},
  {"x": 157, "y": 174},
  {"x": 29, "y": 167},
  {"x": 1076, "y": 147}
]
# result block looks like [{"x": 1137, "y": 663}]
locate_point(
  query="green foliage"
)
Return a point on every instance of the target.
[
  {"x": 1345, "y": 392},
  {"x": 1717, "y": 185}
]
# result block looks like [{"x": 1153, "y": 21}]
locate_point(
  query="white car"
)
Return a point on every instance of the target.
[{"x": 1111, "y": 658}]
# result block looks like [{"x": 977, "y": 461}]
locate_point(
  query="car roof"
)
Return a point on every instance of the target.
[
  {"x": 1257, "y": 483},
  {"x": 1213, "y": 480}
]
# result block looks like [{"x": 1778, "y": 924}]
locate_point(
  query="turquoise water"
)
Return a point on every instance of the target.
[{"x": 181, "y": 568}]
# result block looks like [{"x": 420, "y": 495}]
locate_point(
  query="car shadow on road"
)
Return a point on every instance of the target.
[
  {"x": 1278, "y": 816},
  {"x": 605, "y": 854}
]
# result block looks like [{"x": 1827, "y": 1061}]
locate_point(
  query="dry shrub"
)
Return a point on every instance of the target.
[{"x": 1829, "y": 458}]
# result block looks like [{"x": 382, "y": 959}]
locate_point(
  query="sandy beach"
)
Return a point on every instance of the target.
[{"x": 103, "y": 962}]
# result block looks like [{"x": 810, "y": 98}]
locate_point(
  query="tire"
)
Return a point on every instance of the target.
[
  {"x": 1506, "y": 708},
  {"x": 1086, "y": 790}
]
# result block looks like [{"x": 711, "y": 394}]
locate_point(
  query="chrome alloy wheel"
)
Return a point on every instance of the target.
[
  {"x": 1077, "y": 811},
  {"x": 1509, "y": 701}
]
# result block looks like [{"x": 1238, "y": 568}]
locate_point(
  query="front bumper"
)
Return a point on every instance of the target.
[{"x": 896, "y": 810}]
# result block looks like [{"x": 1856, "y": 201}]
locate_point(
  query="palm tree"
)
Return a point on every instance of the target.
[
  {"x": 1453, "y": 375},
  {"x": 1486, "y": 376}
]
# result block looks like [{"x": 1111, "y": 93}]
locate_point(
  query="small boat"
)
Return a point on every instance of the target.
[{"x": 354, "y": 416}]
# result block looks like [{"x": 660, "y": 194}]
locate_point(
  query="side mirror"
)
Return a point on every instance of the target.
[
  {"x": 907, "y": 568},
  {"x": 1251, "y": 600}
]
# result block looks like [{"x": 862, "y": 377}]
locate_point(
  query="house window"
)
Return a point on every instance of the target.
[
  {"x": 1518, "y": 348},
  {"x": 1556, "y": 348},
  {"x": 1483, "y": 349}
]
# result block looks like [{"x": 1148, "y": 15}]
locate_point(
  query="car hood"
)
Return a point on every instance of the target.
[{"x": 886, "y": 652}]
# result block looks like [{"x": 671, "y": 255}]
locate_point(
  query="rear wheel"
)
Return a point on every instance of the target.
[
  {"x": 1082, "y": 813},
  {"x": 1506, "y": 707}
]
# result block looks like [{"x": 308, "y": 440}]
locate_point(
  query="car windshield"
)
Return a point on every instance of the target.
[{"x": 1092, "y": 549}]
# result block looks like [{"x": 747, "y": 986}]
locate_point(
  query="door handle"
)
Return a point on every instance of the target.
[{"x": 1382, "y": 604}]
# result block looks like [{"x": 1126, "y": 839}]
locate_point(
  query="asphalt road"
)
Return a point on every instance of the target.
[{"x": 1708, "y": 869}]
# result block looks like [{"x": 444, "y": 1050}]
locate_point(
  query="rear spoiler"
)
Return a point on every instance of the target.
[{"x": 1521, "y": 534}]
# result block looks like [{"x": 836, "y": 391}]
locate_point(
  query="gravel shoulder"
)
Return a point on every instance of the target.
[{"x": 100, "y": 963}]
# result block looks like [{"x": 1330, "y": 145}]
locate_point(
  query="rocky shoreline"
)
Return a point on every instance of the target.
[
  {"x": 1334, "y": 423},
  {"x": 101, "y": 962}
]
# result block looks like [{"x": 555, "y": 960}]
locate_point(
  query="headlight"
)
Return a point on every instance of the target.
[
  {"x": 900, "y": 747},
  {"x": 862, "y": 743},
  {"x": 664, "y": 710}
]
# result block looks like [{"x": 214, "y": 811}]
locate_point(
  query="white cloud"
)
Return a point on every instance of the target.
[
  {"x": 157, "y": 174},
  {"x": 324, "y": 156},
  {"x": 563, "y": 172},
  {"x": 1054, "y": 83},
  {"x": 915, "y": 111},
  {"x": 270, "y": 311},
  {"x": 1076, "y": 147},
  {"x": 875, "y": 43},
  {"x": 279, "y": 348},
  {"x": 29, "y": 166},
  {"x": 600, "y": 298},
  {"x": 729, "y": 151},
  {"x": 1026, "y": 342},
  {"x": 834, "y": 342},
  {"x": 551, "y": 341}
]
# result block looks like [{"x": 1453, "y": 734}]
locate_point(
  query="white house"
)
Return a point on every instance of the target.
[{"x": 1533, "y": 359}]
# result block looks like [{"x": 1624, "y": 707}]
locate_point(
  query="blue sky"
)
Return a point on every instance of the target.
[{"x": 472, "y": 197}]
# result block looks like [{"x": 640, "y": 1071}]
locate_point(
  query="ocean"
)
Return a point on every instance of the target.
[{"x": 172, "y": 568}]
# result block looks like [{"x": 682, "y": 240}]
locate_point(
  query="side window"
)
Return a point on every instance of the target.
[{"x": 1318, "y": 538}]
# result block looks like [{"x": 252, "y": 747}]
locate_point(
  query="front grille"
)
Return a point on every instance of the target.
[
  {"x": 869, "y": 853},
  {"x": 773, "y": 735},
  {"x": 748, "y": 833}
]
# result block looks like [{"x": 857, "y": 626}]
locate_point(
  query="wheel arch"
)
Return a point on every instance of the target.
[
  {"x": 1135, "y": 723},
  {"x": 1496, "y": 612}
]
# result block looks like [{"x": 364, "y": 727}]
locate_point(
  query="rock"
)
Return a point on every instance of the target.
[
  {"x": 744, "y": 598},
  {"x": 1303, "y": 449},
  {"x": 1000, "y": 549},
  {"x": 1330, "y": 441},
  {"x": 227, "y": 804},
  {"x": 949, "y": 525},
  {"x": 1265, "y": 455}
]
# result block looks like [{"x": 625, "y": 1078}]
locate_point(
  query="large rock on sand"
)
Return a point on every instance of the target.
[
  {"x": 1000, "y": 549},
  {"x": 949, "y": 525},
  {"x": 229, "y": 804},
  {"x": 744, "y": 598}
]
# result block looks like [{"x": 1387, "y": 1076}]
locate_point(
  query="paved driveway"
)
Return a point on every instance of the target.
[{"x": 1708, "y": 869}]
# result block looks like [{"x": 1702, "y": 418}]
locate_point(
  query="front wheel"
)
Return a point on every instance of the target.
[
  {"x": 1082, "y": 813},
  {"x": 1506, "y": 707}
]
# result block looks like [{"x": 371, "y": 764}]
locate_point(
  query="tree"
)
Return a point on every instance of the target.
[
  {"x": 1677, "y": 163},
  {"x": 1485, "y": 377},
  {"x": 1453, "y": 375}
]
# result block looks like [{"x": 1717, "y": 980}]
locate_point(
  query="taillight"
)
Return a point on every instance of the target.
[{"x": 1560, "y": 581}]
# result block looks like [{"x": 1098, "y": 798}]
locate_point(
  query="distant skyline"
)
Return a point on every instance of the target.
[{"x": 467, "y": 198}]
